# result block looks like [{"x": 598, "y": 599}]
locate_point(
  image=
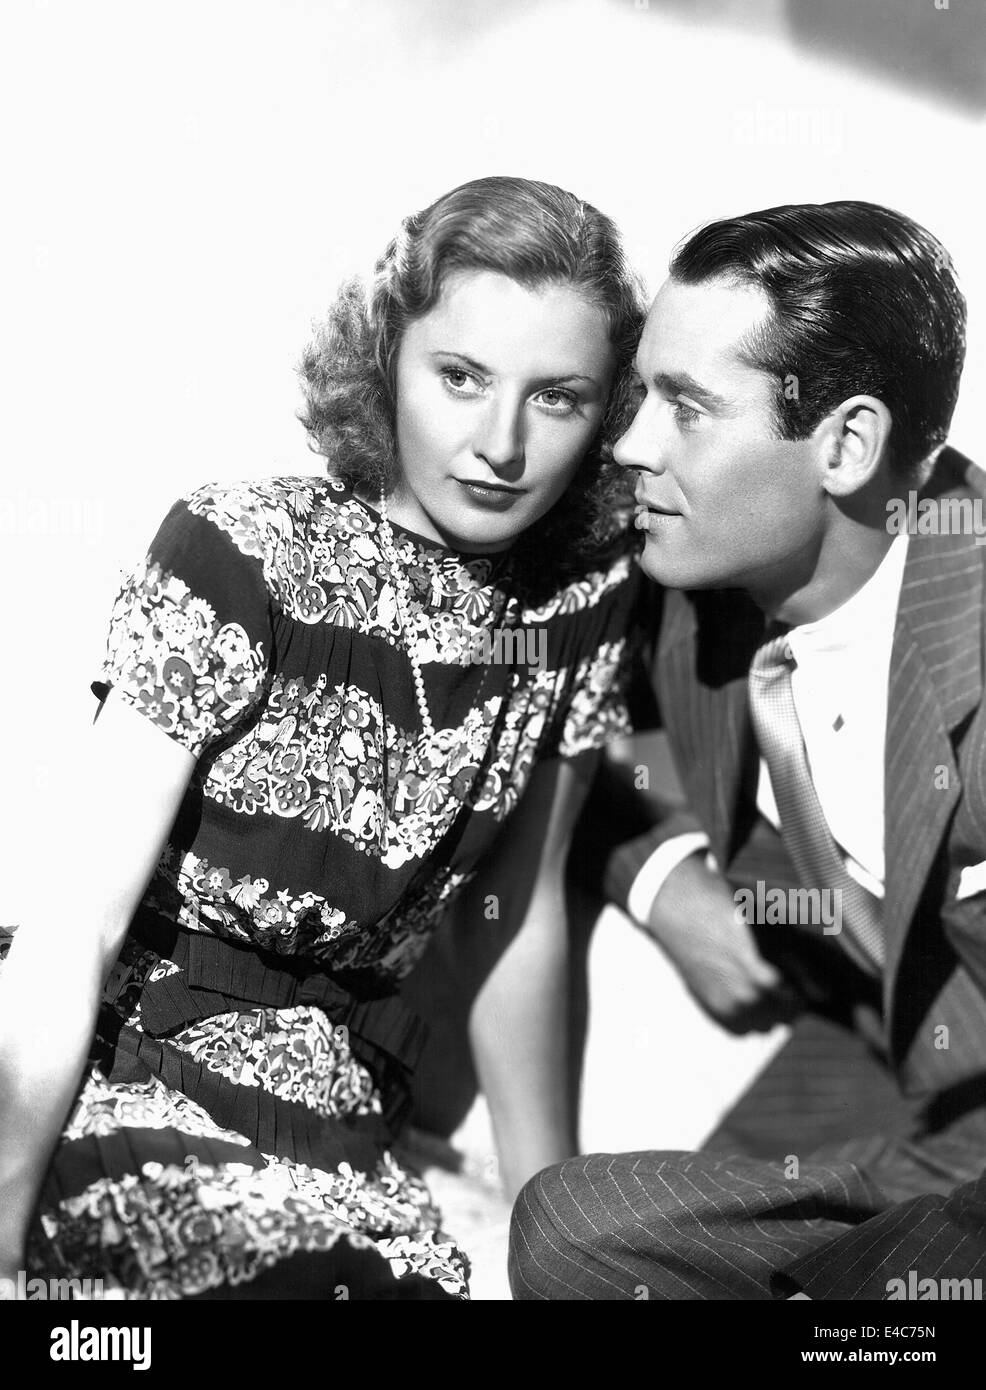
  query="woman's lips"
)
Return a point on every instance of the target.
[{"x": 494, "y": 497}]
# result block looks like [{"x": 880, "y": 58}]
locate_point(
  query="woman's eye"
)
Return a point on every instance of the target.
[
  {"x": 459, "y": 381},
  {"x": 557, "y": 401}
]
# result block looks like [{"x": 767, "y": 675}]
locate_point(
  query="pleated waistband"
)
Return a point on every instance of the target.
[{"x": 216, "y": 976}]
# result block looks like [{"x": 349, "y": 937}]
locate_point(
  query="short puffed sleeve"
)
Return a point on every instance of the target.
[{"x": 190, "y": 634}]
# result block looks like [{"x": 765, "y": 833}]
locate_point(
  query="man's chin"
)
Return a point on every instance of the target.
[{"x": 673, "y": 572}]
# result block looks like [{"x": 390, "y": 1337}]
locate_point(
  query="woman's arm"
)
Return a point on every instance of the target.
[
  {"x": 519, "y": 1023},
  {"x": 131, "y": 778}
]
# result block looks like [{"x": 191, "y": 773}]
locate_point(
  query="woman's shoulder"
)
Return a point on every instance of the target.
[
  {"x": 258, "y": 513},
  {"x": 304, "y": 538},
  {"x": 261, "y": 501}
]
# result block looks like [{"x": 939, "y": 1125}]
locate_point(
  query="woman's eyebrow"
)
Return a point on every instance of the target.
[
  {"x": 567, "y": 376},
  {"x": 462, "y": 357},
  {"x": 549, "y": 379}
]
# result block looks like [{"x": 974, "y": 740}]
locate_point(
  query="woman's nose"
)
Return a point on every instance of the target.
[{"x": 499, "y": 439}]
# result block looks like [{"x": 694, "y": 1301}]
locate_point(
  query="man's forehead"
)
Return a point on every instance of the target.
[{"x": 702, "y": 327}]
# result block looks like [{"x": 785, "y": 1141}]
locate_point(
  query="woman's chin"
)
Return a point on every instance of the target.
[
  {"x": 481, "y": 535},
  {"x": 482, "y": 546}
]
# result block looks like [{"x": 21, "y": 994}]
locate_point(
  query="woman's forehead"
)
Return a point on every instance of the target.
[{"x": 485, "y": 314}]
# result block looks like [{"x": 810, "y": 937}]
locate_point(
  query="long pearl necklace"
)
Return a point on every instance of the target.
[{"x": 402, "y": 588}]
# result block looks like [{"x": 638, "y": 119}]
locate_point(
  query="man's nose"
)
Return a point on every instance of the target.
[
  {"x": 499, "y": 438},
  {"x": 639, "y": 446}
]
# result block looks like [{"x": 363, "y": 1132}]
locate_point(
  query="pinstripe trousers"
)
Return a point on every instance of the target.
[
  {"x": 676, "y": 1225},
  {"x": 774, "y": 1186},
  {"x": 722, "y": 1227},
  {"x": 822, "y": 1142}
]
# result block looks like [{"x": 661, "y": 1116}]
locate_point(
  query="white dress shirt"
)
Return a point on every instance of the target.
[{"x": 839, "y": 687}]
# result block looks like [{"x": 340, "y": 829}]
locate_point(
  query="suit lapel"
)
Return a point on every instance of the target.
[
  {"x": 935, "y": 682},
  {"x": 703, "y": 660}
]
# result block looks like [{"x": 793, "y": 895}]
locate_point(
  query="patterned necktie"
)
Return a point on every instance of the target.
[{"x": 804, "y": 830}]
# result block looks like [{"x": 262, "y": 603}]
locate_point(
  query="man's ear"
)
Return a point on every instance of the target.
[{"x": 853, "y": 441}]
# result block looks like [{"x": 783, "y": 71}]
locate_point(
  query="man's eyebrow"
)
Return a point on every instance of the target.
[
  {"x": 681, "y": 384},
  {"x": 551, "y": 379}
]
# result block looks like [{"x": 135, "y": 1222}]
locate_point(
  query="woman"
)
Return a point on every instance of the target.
[{"x": 314, "y": 679}]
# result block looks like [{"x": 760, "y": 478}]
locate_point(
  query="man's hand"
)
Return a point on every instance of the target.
[{"x": 695, "y": 920}]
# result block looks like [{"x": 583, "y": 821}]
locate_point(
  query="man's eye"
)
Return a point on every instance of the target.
[{"x": 685, "y": 414}]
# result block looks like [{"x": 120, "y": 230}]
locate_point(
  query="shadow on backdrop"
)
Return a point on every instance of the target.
[{"x": 932, "y": 47}]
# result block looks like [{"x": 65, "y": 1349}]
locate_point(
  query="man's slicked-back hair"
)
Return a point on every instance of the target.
[{"x": 865, "y": 302}]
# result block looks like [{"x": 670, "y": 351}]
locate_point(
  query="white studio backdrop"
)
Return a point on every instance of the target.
[{"x": 185, "y": 183}]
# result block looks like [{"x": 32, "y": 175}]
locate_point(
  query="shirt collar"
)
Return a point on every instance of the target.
[{"x": 870, "y": 613}]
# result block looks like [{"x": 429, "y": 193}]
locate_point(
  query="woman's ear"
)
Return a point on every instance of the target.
[{"x": 854, "y": 439}]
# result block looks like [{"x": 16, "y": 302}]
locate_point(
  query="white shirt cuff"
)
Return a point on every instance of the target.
[{"x": 658, "y": 868}]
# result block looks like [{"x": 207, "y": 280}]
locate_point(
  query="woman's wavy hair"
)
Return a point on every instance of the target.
[{"x": 534, "y": 233}]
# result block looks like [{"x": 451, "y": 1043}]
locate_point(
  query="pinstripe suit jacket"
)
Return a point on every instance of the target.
[{"x": 934, "y": 978}]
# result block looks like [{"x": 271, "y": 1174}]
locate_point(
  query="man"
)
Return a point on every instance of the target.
[{"x": 818, "y": 668}]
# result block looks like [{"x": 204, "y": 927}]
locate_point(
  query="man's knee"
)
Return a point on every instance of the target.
[
  {"x": 537, "y": 1246},
  {"x": 667, "y": 1225},
  {"x": 573, "y": 1236}
]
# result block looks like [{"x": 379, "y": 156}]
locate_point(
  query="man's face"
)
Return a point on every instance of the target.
[{"x": 725, "y": 502}]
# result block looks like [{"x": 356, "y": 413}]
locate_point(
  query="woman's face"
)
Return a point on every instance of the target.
[{"x": 500, "y": 392}]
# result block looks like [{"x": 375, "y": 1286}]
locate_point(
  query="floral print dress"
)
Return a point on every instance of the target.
[{"x": 232, "y": 1134}]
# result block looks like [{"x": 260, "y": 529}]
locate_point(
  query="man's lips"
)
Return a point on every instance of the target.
[
  {"x": 652, "y": 521},
  {"x": 658, "y": 508},
  {"x": 647, "y": 504},
  {"x": 651, "y": 516}
]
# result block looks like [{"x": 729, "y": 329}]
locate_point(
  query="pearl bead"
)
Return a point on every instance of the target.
[{"x": 402, "y": 586}]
